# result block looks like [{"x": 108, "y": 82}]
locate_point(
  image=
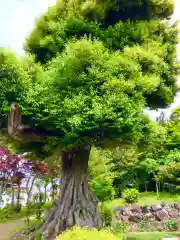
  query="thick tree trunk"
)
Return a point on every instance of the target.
[{"x": 76, "y": 205}]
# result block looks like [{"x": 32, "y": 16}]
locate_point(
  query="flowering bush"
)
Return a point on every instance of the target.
[{"x": 78, "y": 233}]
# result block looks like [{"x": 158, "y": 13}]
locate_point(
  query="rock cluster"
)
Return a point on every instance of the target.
[{"x": 160, "y": 212}]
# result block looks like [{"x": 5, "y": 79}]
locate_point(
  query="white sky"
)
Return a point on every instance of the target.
[{"x": 17, "y": 18}]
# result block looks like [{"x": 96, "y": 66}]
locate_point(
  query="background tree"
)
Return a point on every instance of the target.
[
  {"x": 100, "y": 176},
  {"x": 94, "y": 90}
]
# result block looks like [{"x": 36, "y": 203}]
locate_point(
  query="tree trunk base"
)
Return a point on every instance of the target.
[
  {"x": 60, "y": 218},
  {"x": 77, "y": 205}
]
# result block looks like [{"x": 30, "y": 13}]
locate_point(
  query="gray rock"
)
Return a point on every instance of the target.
[
  {"x": 145, "y": 209},
  {"x": 148, "y": 217},
  {"x": 162, "y": 215},
  {"x": 135, "y": 209},
  {"x": 135, "y": 217},
  {"x": 177, "y": 206},
  {"x": 156, "y": 208},
  {"x": 174, "y": 214}
]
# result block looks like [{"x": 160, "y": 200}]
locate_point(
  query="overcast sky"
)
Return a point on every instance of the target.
[{"x": 17, "y": 18}]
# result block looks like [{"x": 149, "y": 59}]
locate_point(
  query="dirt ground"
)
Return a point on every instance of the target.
[{"x": 7, "y": 230}]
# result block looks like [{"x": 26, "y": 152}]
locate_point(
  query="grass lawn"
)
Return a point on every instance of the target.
[
  {"x": 8, "y": 215},
  {"x": 150, "y": 235},
  {"x": 148, "y": 198}
]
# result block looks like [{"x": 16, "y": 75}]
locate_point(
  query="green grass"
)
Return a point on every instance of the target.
[
  {"x": 148, "y": 199},
  {"x": 10, "y": 215},
  {"x": 149, "y": 235}
]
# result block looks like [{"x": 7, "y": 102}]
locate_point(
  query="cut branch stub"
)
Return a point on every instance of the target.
[{"x": 19, "y": 131}]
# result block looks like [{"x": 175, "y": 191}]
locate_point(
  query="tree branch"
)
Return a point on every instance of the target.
[{"x": 19, "y": 131}]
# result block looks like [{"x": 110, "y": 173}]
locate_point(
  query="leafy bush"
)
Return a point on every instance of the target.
[
  {"x": 101, "y": 177},
  {"x": 38, "y": 235},
  {"x": 106, "y": 215},
  {"x": 6, "y": 212},
  {"x": 103, "y": 189},
  {"x": 78, "y": 233},
  {"x": 130, "y": 195},
  {"x": 172, "y": 225},
  {"x": 120, "y": 227}
]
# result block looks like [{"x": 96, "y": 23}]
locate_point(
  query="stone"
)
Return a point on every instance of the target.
[
  {"x": 145, "y": 209},
  {"x": 177, "y": 206},
  {"x": 174, "y": 214},
  {"x": 135, "y": 209},
  {"x": 155, "y": 215},
  {"x": 148, "y": 217},
  {"x": 156, "y": 208},
  {"x": 126, "y": 211},
  {"x": 162, "y": 215},
  {"x": 117, "y": 209},
  {"x": 135, "y": 217}
]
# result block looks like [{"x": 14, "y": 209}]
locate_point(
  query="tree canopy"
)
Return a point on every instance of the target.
[
  {"x": 91, "y": 69},
  {"x": 105, "y": 62},
  {"x": 135, "y": 28}
]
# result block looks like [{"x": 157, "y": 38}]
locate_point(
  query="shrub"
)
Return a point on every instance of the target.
[
  {"x": 172, "y": 225},
  {"x": 130, "y": 195},
  {"x": 106, "y": 215},
  {"x": 78, "y": 233},
  {"x": 38, "y": 235},
  {"x": 102, "y": 187},
  {"x": 120, "y": 227},
  {"x": 100, "y": 176},
  {"x": 7, "y": 212}
]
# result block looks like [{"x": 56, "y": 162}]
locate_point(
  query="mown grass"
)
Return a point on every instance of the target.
[
  {"x": 148, "y": 198},
  {"x": 150, "y": 235}
]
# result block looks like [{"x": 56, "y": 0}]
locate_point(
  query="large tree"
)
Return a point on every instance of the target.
[{"x": 104, "y": 62}]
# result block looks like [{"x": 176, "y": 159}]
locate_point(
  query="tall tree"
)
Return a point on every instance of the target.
[
  {"x": 172, "y": 127},
  {"x": 109, "y": 59}
]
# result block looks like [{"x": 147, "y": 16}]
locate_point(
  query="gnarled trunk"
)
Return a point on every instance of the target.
[{"x": 76, "y": 204}]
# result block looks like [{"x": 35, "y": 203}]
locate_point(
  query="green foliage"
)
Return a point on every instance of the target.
[
  {"x": 11, "y": 212},
  {"x": 106, "y": 214},
  {"x": 77, "y": 233},
  {"x": 103, "y": 188},
  {"x": 150, "y": 236},
  {"x": 38, "y": 235},
  {"x": 124, "y": 164},
  {"x": 100, "y": 176},
  {"x": 148, "y": 198},
  {"x": 120, "y": 227},
  {"x": 130, "y": 195},
  {"x": 6, "y": 212},
  {"x": 14, "y": 81},
  {"x": 133, "y": 27},
  {"x": 172, "y": 128},
  {"x": 96, "y": 97},
  {"x": 172, "y": 225},
  {"x": 105, "y": 62},
  {"x": 90, "y": 17}
]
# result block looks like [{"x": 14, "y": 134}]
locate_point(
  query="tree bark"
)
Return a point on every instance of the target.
[
  {"x": 18, "y": 194},
  {"x": 76, "y": 204},
  {"x": 12, "y": 195},
  {"x": 45, "y": 193},
  {"x": 29, "y": 188}
]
